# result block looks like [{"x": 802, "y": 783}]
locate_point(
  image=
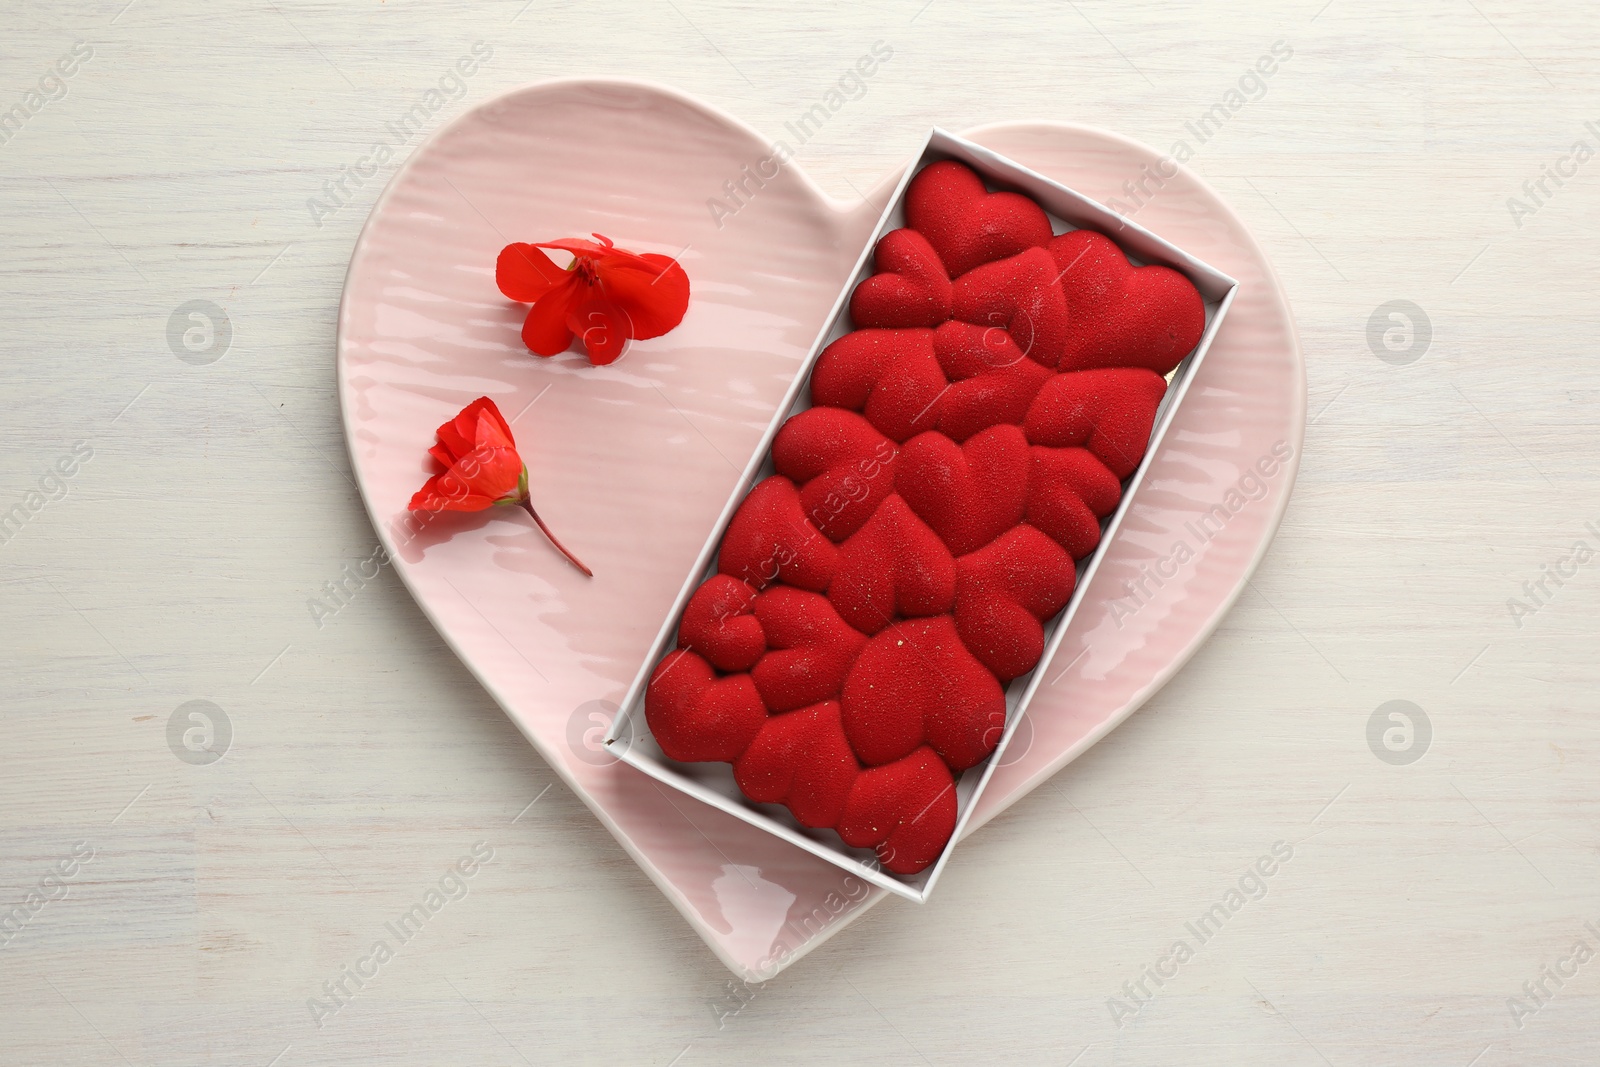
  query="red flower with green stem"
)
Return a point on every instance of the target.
[{"x": 481, "y": 470}]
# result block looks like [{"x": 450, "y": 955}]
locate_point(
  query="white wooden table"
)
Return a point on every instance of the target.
[{"x": 176, "y": 561}]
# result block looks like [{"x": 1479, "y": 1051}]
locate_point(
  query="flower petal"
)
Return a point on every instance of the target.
[
  {"x": 492, "y": 472},
  {"x": 460, "y": 435},
  {"x": 654, "y": 298},
  {"x": 525, "y": 273},
  {"x": 438, "y": 495},
  {"x": 603, "y": 326},
  {"x": 472, "y": 416},
  {"x": 482, "y": 477},
  {"x": 545, "y": 332},
  {"x": 577, "y": 246},
  {"x": 492, "y": 431},
  {"x": 455, "y": 439}
]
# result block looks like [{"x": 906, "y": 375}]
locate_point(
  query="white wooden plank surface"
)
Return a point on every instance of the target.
[{"x": 365, "y": 761}]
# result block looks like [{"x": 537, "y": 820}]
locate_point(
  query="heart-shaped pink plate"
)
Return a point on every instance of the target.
[{"x": 632, "y": 463}]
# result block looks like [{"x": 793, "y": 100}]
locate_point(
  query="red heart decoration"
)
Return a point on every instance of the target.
[
  {"x": 717, "y": 624},
  {"x": 965, "y": 223},
  {"x": 1069, "y": 492},
  {"x": 905, "y": 810},
  {"x": 1021, "y": 296},
  {"x": 809, "y": 649},
  {"x": 697, "y": 717},
  {"x": 1123, "y": 316},
  {"x": 891, "y": 376},
  {"x": 842, "y": 464},
  {"x": 1004, "y": 592},
  {"x": 896, "y": 565},
  {"x": 915, "y": 683},
  {"x": 911, "y": 287},
  {"x": 1110, "y": 412},
  {"x": 802, "y": 760},
  {"x": 969, "y": 493},
  {"x": 849, "y": 368},
  {"x": 991, "y": 381},
  {"x": 769, "y": 539}
]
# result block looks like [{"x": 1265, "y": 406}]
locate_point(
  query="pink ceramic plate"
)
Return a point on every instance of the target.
[{"x": 631, "y": 463}]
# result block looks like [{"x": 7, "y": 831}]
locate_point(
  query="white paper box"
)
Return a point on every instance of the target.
[{"x": 629, "y": 737}]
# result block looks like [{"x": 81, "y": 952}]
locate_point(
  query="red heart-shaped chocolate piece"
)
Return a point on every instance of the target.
[
  {"x": 911, "y": 287},
  {"x": 890, "y": 376},
  {"x": 696, "y": 717},
  {"x": 916, "y": 682},
  {"x": 1109, "y": 412},
  {"x": 1021, "y": 296},
  {"x": 842, "y": 464},
  {"x": 1069, "y": 492},
  {"x": 717, "y": 624},
  {"x": 965, "y": 223},
  {"x": 969, "y": 493},
  {"x": 895, "y": 565},
  {"x": 809, "y": 649},
  {"x": 850, "y": 367},
  {"x": 1004, "y": 592},
  {"x": 801, "y": 759},
  {"x": 991, "y": 381},
  {"x": 769, "y": 539},
  {"x": 905, "y": 810},
  {"x": 1122, "y": 315}
]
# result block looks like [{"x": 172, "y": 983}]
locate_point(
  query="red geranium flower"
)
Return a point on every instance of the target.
[
  {"x": 481, "y": 469},
  {"x": 604, "y": 297}
]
